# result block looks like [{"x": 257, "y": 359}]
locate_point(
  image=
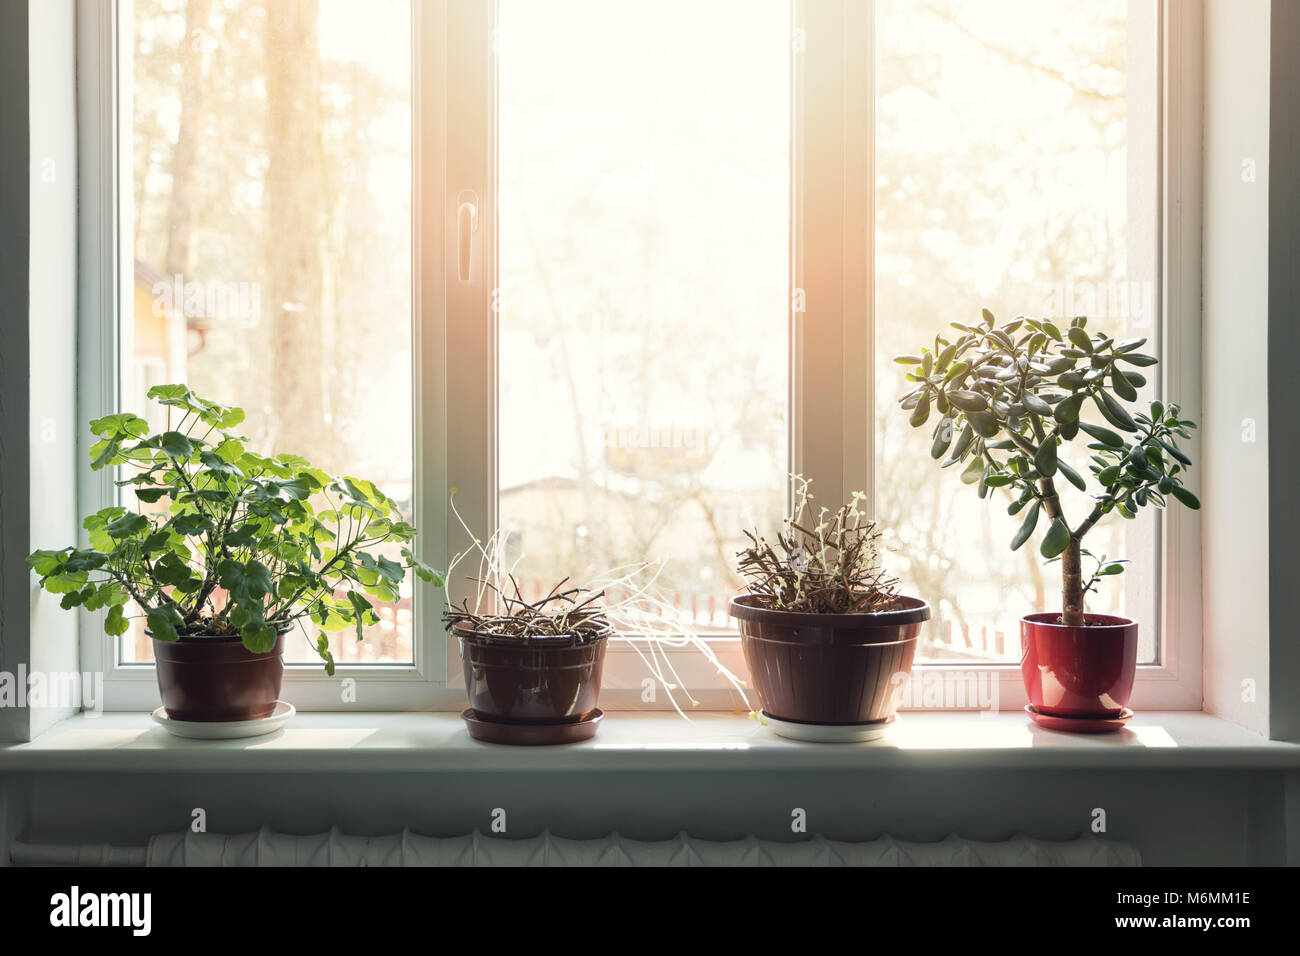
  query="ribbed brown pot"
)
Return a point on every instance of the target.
[
  {"x": 829, "y": 668},
  {"x": 549, "y": 680},
  {"x": 218, "y": 679}
]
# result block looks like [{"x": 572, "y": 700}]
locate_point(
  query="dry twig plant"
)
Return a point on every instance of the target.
[
  {"x": 642, "y": 615},
  {"x": 832, "y": 567},
  {"x": 572, "y": 613}
]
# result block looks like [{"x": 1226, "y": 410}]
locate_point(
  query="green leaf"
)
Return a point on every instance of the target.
[
  {"x": 1122, "y": 386},
  {"x": 1056, "y": 540},
  {"x": 1186, "y": 497},
  {"x": 942, "y": 439},
  {"x": 1067, "y": 410},
  {"x": 190, "y": 524},
  {"x": 1080, "y": 338},
  {"x": 973, "y": 472},
  {"x": 150, "y": 495},
  {"x": 171, "y": 571},
  {"x": 1173, "y": 450},
  {"x": 1103, "y": 435},
  {"x": 1113, "y": 411},
  {"x": 162, "y": 623},
  {"x": 363, "y": 610},
  {"x": 127, "y": 526},
  {"x": 257, "y": 579},
  {"x": 1141, "y": 361},
  {"x": 46, "y": 562},
  {"x": 218, "y": 463},
  {"x": 422, "y": 570},
  {"x": 115, "y": 622},
  {"x": 921, "y": 412},
  {"x": 258, "y": 636},
  {"x": 1045, "y": 457},
  {"x": 967, "y": 400},
  {"x": 999, "y": 480},
  {"x": 1026, "y": 527},
  {"x": 985, "y": 424},
  {"x": 391, "y": 570},
  {"x": 176, "y": 445},
  {"x": 230, "y": 450},
  {"x": 1035, "y": 404},
  {"x": 1072, "y": 476}
]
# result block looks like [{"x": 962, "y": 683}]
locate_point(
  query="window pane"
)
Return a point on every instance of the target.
[
  {"x": 272, "y": 171},
  {"x": 1003, "y": 171},
  {"x": 644, "y": 293}
]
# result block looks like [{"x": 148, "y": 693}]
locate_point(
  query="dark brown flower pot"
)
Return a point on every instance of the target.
[
  {"x": 209, "y": 679},
  {"x": 829, "y": 668},
  {"x": 538, "y": 681},
  {"x": 1078, "y": 671}
]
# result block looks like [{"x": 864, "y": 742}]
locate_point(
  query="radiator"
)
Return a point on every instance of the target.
[{"x": 334, "y": 848}]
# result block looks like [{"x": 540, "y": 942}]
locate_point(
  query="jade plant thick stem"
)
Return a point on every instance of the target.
[{"x": 1007, "y": 397}]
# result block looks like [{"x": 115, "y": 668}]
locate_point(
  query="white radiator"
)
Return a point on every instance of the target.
[{"x": 334, "y": 848}]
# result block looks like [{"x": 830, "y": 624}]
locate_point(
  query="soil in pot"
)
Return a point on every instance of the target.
[
  {"x": 1078, "y": 671},
  {"x": 533, "y": 680},
  {"x": 208, "y": 679},
  {"x": 829, "y": 668}
]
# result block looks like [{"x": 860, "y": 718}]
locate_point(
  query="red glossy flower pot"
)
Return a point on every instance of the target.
[
  {"x": 550, "y": 680},
  {"x": 829, "y": 668},
  {"x": 209, "y": 679},
  {"x": 1078, "y": 671}
]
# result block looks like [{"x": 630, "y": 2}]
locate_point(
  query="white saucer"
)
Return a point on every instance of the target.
[
  {"x": 827, "y": 733},
  {"x": 226, "y": 729}
]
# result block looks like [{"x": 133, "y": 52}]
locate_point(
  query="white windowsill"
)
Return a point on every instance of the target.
[{"x": 425, "y": 742}]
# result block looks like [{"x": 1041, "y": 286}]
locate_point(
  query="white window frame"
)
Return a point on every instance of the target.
[{"x": 832, "y": 200}]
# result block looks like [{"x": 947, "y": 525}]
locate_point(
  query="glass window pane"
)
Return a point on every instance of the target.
[
  {"x": 1003, "y": 170},
  {"x": 272, "y": 238},
  {"x": 644, "y": 167}
]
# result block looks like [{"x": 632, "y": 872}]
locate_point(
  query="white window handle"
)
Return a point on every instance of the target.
[{"x": 466, "y": 226}]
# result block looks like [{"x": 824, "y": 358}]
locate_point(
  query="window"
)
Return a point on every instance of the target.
[
  {"x": 643, "y": 293},
  {"x": 271, "y": 239},
  {"x": 1007, "y": 139},
  {"x": 609, "y": 273}
]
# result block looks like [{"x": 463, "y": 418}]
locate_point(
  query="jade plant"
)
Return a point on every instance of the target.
[
  {"x": 1008, "y": 397},
  {"x": 218, "y": 541}
]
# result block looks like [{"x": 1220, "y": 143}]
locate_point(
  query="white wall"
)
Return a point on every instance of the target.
[
  {"x": 52, "y": 269},
  {"x": 1234, "y": 456}
]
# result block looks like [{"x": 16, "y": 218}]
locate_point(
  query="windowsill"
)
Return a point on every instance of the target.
[{"x": 434, "y": 742}]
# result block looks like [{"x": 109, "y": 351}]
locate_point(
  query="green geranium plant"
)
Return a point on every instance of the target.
[
  {"x": 1008, "y": 397},
  {"x": 238, "y": 543}
]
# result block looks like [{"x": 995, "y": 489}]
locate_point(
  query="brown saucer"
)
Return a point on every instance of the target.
[
  {"x": 531, "y": 735},
  {"x": 1079, "y": 725}
]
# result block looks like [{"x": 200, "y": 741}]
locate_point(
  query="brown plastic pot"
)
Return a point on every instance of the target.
[
  {"x": 829, "y": 668},
  {"x": 1078, "y": 671},
  {"x": 551, "y": 680},
  {"x": 207, "y": 679}
]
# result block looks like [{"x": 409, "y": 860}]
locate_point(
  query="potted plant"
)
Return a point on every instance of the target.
[
  {"x": 828, "y": 639},
  {"x": 532, "y": 669},
  {"x": 1007, "y": 399},
  {"x": 228, "y": 551}
]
